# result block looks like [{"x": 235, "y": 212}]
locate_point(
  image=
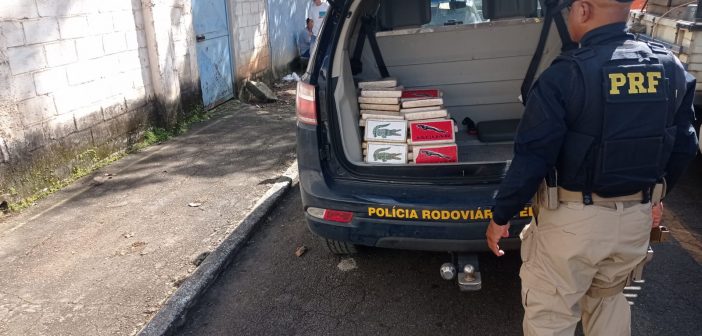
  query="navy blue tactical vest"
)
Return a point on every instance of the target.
[{"x": 622, "y": 140}]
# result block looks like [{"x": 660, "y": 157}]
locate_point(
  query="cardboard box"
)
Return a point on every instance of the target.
[
  {"x": 377, "y": 112},
  {"x": 380, "y": 107},
  {"x": 383, "y": 83},
  {"x": 386, "y": 153},
  {"x": 386, "y": 131},
  {"x": 377, "y": 93},
  {"x": 426, "y": 115},
  {"x": 423, "y": 103},
  {"x": 382, "y": 116},
  {"x": 376, "y": 100},
  {"x": 408, "y": 95},
  {"x": 435, "y": 154},
  {"x": 420, "y": 109},
  {"x": 432, "y": 132}
]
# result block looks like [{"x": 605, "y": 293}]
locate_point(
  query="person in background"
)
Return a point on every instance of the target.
[
  {"x": 305, "y": 39},
  {"x": 317, "y": 12}
]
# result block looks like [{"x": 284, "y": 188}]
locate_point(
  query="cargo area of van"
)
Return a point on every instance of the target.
[{"x": 476, "y": 57}]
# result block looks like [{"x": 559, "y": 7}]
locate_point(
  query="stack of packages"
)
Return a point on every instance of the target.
[
  {"x": 388, "y": 112},
  {"x": 385, "y": 139},
  {"x": 432, "y": 134}
]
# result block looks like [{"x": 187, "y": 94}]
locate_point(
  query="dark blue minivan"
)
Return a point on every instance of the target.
[{"x": 478, "y": 63}]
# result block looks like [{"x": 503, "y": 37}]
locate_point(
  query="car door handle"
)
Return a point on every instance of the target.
[{"x": 199, "y": 38}]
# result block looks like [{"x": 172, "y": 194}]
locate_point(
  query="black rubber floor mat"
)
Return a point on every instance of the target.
[{"x": 497, "y": 130}]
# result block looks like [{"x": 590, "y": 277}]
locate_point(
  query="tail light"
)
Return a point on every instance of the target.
[
  {"x": 305, "y": 104},
  {"x": 331, "y": 215},
  {"x": 338, "y": 216}
]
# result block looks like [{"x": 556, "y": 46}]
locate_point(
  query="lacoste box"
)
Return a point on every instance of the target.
[
  {"x": 431, "y": 132},
  {"x": 434, "y": 154},
  {"x": 386, "y": 153},
  {"x": 386, "y": 130}
]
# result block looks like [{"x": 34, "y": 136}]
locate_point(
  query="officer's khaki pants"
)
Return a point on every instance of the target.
[{"x": 574, "y": 261}]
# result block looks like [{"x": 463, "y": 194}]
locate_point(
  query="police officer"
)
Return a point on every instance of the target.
[{"x": 611, "y": 118}]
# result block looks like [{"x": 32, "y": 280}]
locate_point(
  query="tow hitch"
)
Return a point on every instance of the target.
[{"x": 468, "y": 276}]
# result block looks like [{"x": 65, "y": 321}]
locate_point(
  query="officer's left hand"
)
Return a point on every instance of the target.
[{"x": 493, "y": 234}]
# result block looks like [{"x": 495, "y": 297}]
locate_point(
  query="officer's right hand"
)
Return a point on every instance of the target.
[
  {"x": 494, "y": 233},
  {"x": 657, "y": 214}
]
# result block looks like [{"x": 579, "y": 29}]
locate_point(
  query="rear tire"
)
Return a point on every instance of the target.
[{"x": 339, "y": 247}]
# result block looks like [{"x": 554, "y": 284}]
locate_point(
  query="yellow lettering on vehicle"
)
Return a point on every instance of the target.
[
  {"x": 527, "y": 212},
  {"x": 479, "y": 214},
  {"x": 524, "y": 213},
  {"x": 435, "y": 215},
  {"x": 617, "y": 80}
]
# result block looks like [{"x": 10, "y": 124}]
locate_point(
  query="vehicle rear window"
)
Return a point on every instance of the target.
[
  {"x": 463, "y": 12},
  {"x": 446, "y": 13}
]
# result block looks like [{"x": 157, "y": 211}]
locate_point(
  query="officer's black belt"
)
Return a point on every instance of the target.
[{"x": 565, "y": 195}]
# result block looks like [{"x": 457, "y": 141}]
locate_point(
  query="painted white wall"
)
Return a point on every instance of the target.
[
  {"x": 249, "y": 38},
  {"x": 69, "y": 61},
  {"x": 78, "y": 73},
  {"x": 287, "y": 19}
]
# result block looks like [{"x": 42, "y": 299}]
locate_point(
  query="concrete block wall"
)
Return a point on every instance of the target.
[
  {"x": 250, "y": 44},
  {"x": 287, "y": 19},
  {"x": 77, "y": 75}
]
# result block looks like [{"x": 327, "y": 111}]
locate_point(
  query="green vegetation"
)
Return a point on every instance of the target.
[
  {"x": 91, "y": 160},
  {"x": 156, "y": 135}
]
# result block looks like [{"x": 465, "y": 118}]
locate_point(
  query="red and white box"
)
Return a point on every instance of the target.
[
  {"x": 435, "y": 154},
  {"x": 431, "y": 132},
  {"x": 420, "y": 94}
]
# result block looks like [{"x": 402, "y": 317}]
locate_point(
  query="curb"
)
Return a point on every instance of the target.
[{"x": 173, "y": 313}]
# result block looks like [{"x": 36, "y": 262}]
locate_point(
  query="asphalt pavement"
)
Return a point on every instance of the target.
[{"x": 267, "y": 290}]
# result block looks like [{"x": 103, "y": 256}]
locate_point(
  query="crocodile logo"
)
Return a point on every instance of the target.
[
  {"x": 381, "y": 154},
  {"x": 425, "y": 127},
  {"x": 381, "y": 132},
  {"x": 434, "y": 154}
]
